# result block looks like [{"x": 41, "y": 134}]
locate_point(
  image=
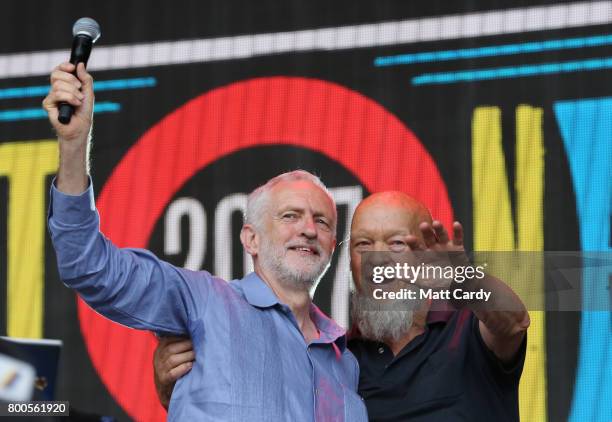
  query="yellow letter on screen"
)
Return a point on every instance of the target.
[
  {"x": 494, "y": 230},
  {"x": 26, "y": 164}
]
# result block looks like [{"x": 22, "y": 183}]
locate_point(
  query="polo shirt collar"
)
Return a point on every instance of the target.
[
  {"x": 440, "y": 311},
  {"x": 330, "y": 331},
  {"x": 258, "y": 293}
]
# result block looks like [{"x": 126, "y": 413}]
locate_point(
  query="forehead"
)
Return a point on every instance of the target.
[
  {"x": 302, "y": 194},
  {"x": 384, "y": 219}
]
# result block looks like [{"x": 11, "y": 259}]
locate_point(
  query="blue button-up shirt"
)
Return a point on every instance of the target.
[{"x": 252, "y": 362}]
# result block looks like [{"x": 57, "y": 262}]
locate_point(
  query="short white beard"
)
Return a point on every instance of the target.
[
  {"x": 272, "y": 260},
  {"x": 382, "y": 320}
]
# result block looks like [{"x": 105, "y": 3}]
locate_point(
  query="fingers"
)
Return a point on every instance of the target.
[
  {"x": 414, "y": 243},
  {"x": 440, "y": 231},
  {"x": 429, "y": 236},
  {"x": 180, "y": 358},
  {"x": 436, "y": 233},
  {"x": 178, "y": 346},
  {"x": 65, "y": 67},
  {"x": 58, "y": 75},
  {"x": 66, "y": 97},
  {"x": 62, "y": 79},
  {"x": 178, "y": 371},
  {"x": 65, "y": 87},
  {"x": 76, "y": 91},
  {"x": 71, "y": 88},
  {"x": 56, "y": 97},
  {"x": 66, "y": 71},
  {"x": 173, "y": 358},
  {"x": 457, "y": 234}
]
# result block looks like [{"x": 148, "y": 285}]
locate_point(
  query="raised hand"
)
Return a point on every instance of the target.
[
  {"x": 76, "y": 91},
  {"x": 435, "y": 238},
  {"x": 434, "y": 248},
  {"x": 74, "y": 137}
]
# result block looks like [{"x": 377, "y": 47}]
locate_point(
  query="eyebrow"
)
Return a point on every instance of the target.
[
  {"x": 289, "y": 208},
  {"x": 303, "y": 210},
  {"x": 386, "y": 234}
]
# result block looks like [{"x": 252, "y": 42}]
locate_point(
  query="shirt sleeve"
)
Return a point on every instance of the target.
[
  {"x": 503, "y": 371},
  {"x": 129, "y": 286}
]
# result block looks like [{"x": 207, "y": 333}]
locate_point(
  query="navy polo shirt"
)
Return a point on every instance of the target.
[{"x": 445, "y": 374}]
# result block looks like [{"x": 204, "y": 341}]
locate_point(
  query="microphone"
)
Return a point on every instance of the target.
[{"x": 86, "y": 31}]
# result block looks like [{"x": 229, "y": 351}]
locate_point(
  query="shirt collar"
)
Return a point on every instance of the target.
[
  {"x": 258, "y": 293},
  {"x": 439, "y": 316},
  {"x": 440, "y": 311},
  {"x": 330, "y": 331}
]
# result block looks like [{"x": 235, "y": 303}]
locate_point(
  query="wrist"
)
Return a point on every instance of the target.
[
  {"x": 76, "y": 145},
  {"x": 72, "y": 176}
]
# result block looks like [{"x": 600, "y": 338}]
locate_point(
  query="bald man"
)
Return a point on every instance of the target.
[
  {"x": 460, "y": 363},
  {"x": 454, "y": 363}
]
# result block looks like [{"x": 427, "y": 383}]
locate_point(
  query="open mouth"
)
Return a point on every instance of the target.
[{"x": 305, "y": 250}]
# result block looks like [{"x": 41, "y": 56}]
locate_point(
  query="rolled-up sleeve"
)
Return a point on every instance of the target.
[{"x": 129, "y": 286}]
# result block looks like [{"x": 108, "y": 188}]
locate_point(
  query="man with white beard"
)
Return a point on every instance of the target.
[
  {"x": 419, "y": 364},
  {"x": 416, "y": 363},
  {"x": 271, "y": 354}
]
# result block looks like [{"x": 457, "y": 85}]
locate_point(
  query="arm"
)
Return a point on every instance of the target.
[
  {"x": 73, "y": 138},
  {"x": 129, "y": 286},
  {"x": 503, "y": 320},
  {"x": 172, "y": 359}
]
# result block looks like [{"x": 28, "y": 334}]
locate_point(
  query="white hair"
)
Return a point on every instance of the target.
[{"x": 257, "y": 201}]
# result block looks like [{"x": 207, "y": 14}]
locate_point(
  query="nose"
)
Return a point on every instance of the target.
[
  {"x": 380, "y": 255},
  {"x": 309, "y": 228}
]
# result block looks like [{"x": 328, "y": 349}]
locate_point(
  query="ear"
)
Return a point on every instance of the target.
[{"x": 249, "y": 239}]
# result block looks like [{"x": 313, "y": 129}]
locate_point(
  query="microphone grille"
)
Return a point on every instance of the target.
[{"x": 87, "y": 26}]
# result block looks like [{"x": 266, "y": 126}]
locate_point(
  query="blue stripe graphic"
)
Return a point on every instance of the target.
[
  {"x": 586, "y": 130},
  {"x": 110, "y": 85},
  {"x": 39, "y": 113},
  {"x": 495, "y": 50},
  {"x": 512, "y": 71}
]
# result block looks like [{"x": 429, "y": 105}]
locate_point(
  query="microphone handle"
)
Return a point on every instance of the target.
[{"x": 81, "y": 48}]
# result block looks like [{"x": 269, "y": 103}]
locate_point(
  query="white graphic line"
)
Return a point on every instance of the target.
[{"x": 470, "y": 25}]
